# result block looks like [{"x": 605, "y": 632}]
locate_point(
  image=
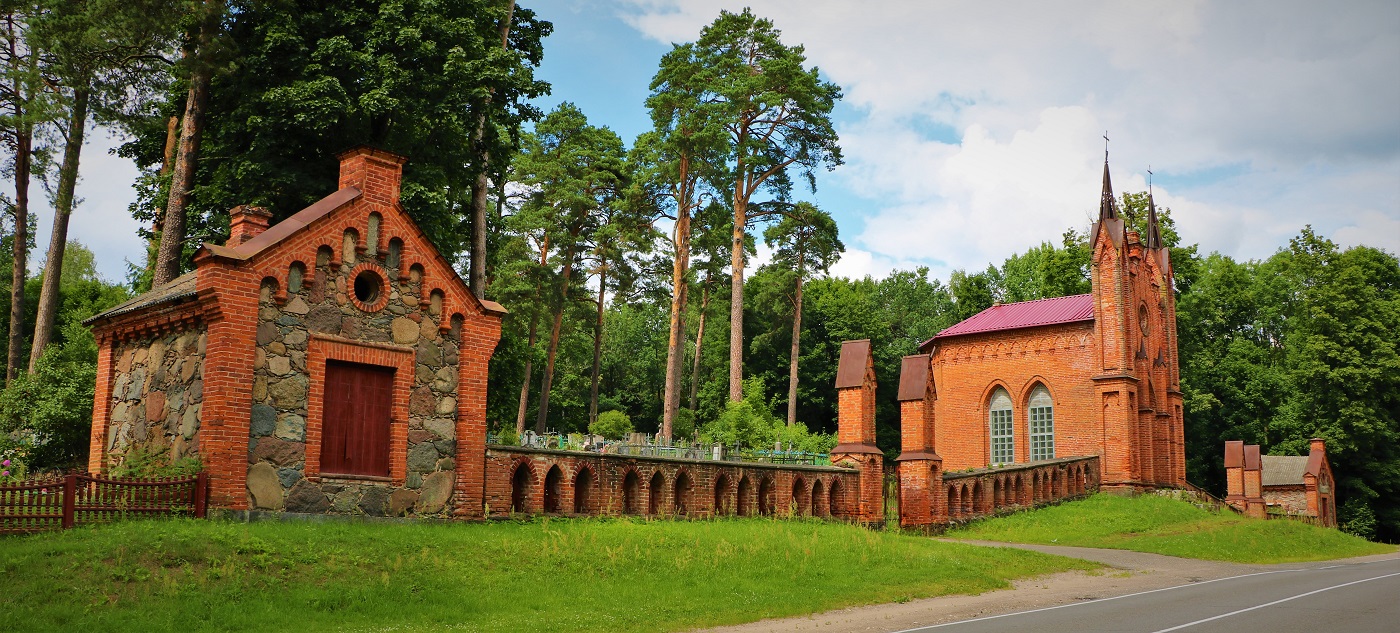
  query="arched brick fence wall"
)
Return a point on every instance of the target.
[{"x": 591, "y": 484}]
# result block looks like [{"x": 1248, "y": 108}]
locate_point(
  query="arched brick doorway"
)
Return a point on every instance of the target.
[
  {"x": 631, "y": 485},
  {"x": 765, "y": 496},
  {"x": 819, "y": 499},
  {"x": 520, "y": 489},
  {"x": 656, "y": 492},
  {"x": 681, "y": 497},
  {"x": 745, "y": 497},
  {"x": 583, "y": 491},
  {"x": 722, "y": 496},
  {"x": 553, "y": 489},
  {"x": 801, "y": 504}
]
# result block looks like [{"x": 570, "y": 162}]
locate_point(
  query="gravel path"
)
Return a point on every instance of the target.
[{"x": 1129, "y": 572}]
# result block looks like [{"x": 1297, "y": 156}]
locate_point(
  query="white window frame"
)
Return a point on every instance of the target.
[
  {"x": 1002, "y": 428},
  {"x": 1041, "y": 414}
]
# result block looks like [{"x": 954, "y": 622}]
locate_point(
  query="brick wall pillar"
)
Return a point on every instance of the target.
[
  {"x": 101, "y": 404},
  {"x": 1253, "y": 482},
  {"x": 231, "y": 291},
  {"x": 478, "y": 343},
  {"x": 920, "y": 467},
  {"x": 1234, "y": 473},
  {"x": 855, "y": 429}
]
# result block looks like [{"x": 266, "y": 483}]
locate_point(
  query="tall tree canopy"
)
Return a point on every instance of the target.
[
  {"x": 308, "y": 79},
  {"x": 776, "y": 117}
]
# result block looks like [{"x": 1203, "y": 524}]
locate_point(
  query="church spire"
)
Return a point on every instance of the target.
[
  {"x": 1108, "y": 208},
  {"x": 1154, "y": 233}
]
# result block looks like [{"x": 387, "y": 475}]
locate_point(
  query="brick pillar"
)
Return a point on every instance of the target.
[
  {"x": 245, "y": 223},
  {"x": 478, "y": 343},
  {"x": 231, "y": 290},
  {"x": 374, "y": 172},
  {"x": 101, "y": 403},
  {"x": 1317, "y": 455},
  {"x": 855, "y": 429},
  {"x": 1234, "y": 474},
  {"x": 1253, "y": 482},
  {"x": 920, "y": 467}
]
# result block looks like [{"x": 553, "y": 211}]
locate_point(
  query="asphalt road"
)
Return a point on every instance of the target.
[{"x": 1356, "y": 597}]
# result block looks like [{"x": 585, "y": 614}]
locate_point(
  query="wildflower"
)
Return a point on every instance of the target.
[
  {"x": 4, "y": 473},
  {"x": 5, "y": 463}
]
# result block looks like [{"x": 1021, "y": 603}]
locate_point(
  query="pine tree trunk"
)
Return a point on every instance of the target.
[
  {"x": 477, "y": 275},
  {"x": 554, "y": 342},
  {"x": 24, "y": 139},
  {"x": 675, "y": 344},
  {"x": 172, "y": 234},
  {"x": 597, "y": 346},
  {"x": 58, "y": 242},
  {"x": 736, "y": 292},
  {"x": 796, "y": 337},
  {"x": 525, "y": 385},
  {"x": 699, "y": 343}
]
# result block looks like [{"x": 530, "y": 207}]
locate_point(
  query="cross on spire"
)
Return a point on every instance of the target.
[
  {"x": 1154, "y": 233},
  {"x": 1108, "y": 208}
]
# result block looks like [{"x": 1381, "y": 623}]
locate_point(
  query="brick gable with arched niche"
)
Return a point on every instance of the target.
[{"x": 341, "y": 362}]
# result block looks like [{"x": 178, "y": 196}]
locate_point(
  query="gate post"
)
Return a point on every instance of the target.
[
  {"x": 855, "y": 390},
  {"x": 70, "y": 490}
]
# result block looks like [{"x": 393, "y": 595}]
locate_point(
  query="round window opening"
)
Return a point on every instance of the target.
[{"x": 367, "y": 286}]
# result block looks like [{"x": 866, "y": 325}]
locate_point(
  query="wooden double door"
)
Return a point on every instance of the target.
[{"x": 358, "y": 408}]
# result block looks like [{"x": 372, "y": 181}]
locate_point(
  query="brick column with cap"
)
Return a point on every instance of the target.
[
  {"x": 1234, "y": 474},
  {"x": 855, "y": 429},
  {"x": 1253, "y": 482},
  {"x": 920, "y": 467},
  {"x": 245, "y": 223}
]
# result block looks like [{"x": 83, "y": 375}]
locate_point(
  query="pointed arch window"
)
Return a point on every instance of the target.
[
  {"x": 999, "y": 417},
  {"x": 1042, "y": 423}
]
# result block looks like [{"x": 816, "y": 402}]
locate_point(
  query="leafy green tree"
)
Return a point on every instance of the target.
[
  {"x": 805, "y": 240},
  {"x": 776, "y": 116},
  {"x": 102, "y": 58},
  {"x": 577, "y": 174},
  {"x": 614, "y": 425},
  {"x": 313, "y": 78}
]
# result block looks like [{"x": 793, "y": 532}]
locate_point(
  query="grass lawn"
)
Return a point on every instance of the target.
[
  {"x": 576, "y": 575},
  {"x": 1162, "y": 525}
]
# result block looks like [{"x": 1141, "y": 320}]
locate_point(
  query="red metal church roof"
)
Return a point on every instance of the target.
[{"x": 1012, "y": 316}]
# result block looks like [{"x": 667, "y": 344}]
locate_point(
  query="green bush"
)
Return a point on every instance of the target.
[
  {"x": 684, "y": 424},
  {"x": 53, "y": 405},
  {"x": 750, "y": 424},
  {"x": 508, "y": 436},
  {"x": 614, "y": 425}
]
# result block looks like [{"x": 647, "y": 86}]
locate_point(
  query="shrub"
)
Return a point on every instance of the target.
[
  {"x": 53, "y": 405},
  {"x": 508, "y": 436},
  {"x": 750, "y": 423},
  {"x": 614, "y": 425},
  {"x": 684, "y": 424}
]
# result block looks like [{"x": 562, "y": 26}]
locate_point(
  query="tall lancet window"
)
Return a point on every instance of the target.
[
  {"x": 1042, "y": 414},
  {"x": 999, "y": 417}
]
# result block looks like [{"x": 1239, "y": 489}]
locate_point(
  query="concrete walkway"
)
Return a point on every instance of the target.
[{"x": 1128, "y": 572}]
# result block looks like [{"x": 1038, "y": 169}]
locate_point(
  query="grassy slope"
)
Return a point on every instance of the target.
[
  {"x": 552, "y": 575},
  {"x": 1166, "y": 526}
]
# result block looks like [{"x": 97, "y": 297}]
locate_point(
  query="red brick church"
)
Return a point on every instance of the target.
[{"x": 1079, "y": 376}]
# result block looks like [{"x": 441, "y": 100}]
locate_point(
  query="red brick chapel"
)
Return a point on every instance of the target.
[{"x": 1079, "y": 376}]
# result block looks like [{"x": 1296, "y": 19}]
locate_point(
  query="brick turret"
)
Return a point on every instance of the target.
[
  {"x": 855, "y": 388},
  {"x": 920, "y": 467},
  {"x": 375, "y": 172}
]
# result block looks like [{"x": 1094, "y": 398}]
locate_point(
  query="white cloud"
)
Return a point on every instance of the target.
[
  {"x": 100, "y": 220},
  {"x": 1257, "y": 118}
]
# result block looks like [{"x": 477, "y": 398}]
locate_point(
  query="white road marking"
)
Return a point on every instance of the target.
[
  {"x": 1143, "y": 593},
  {"x": 1077, "y": 604},
  {"x": 1280, "y": 601}
]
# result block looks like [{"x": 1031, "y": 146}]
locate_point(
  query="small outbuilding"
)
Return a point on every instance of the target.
[
  {"x": 1288, "y": 485},
  {"x": 332, "y": 362}
]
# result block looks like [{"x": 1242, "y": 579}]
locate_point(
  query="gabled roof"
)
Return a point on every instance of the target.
[
  {"x": 179, "y": 288},
  {"x": 1011, "y": 316},
  {"x": 1283, "y": 470}
]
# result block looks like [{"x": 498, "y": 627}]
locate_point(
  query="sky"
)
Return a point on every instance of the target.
[{"x": 974, "y": 130}]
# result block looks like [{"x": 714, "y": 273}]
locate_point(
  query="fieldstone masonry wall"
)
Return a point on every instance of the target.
[{"x": 156, "y": 394}]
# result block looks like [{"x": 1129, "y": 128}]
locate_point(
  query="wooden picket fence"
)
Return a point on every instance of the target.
[{"x": 55, "y": 503}]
